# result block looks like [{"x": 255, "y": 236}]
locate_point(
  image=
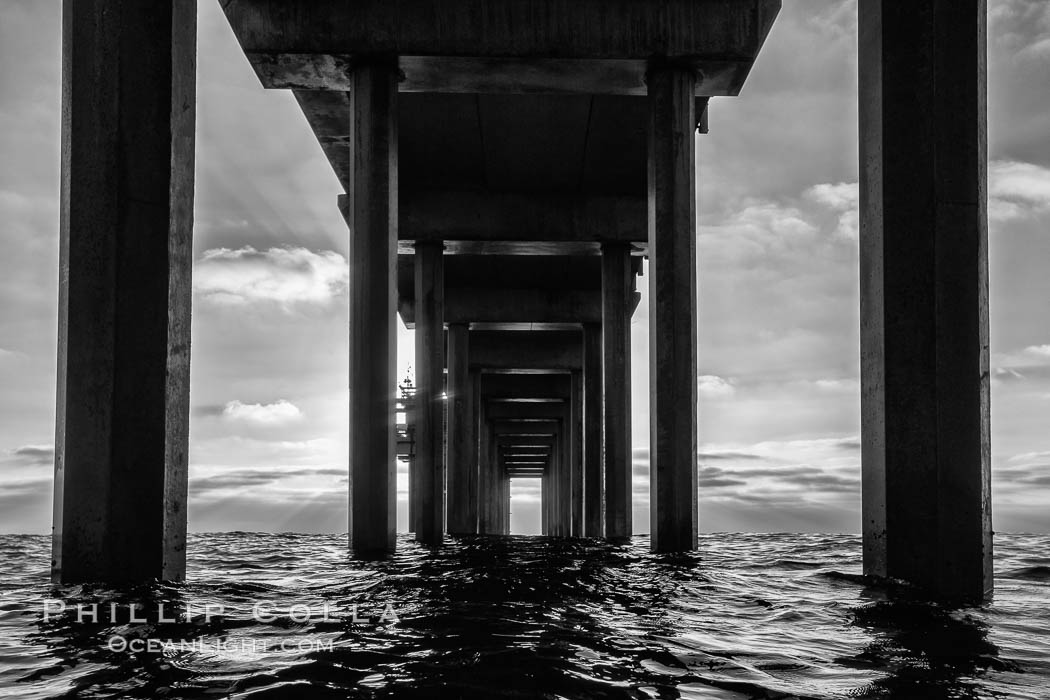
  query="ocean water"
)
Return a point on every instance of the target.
[{"x": 749, "y": 616}]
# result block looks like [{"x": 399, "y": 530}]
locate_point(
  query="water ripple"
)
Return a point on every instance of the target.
[{"x": 750, "y": 616}]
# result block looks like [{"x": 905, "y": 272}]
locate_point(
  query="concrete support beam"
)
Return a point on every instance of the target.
[
  {"x": 128, "y": 95},
  {"x": 517, "y": 271},
  {"x": 411, "y": 423},
  {"x": 555, "y": 488},
  {"x": 489, "y": 470},
  {"x": 513, "y": 289},
  {"x": 526, "y": 350},
  {"x": 545, "y": 499},
  {"x": 593, "y": 488},
  {"x": 616, "y": 388},
  {"x": 474, "y": 216},
  {"x": 478, "y": 440},
  {"x": 565, "y": 481},
  {"x": 413, "y": 496},
  {"x": 672, "y": 309},
  {"x": 498, "y": 505},
  {"x": 373, "y": 340},
  {"x": 525, "y": 443},
  {"x": 510, "y": 428},
  {"x": 924, "y": 296},
  {"x": 532, "y": 386},
  {"x": 430, "y": 385},
  {"x": 462, "y": 466},
  {"x": 489, "y": 46},
  {"x": 576, "y": 426},
  {"x": 505, "y": 503},
  {"x": 539, "y": 411},
  {"x": 473, "y": 305},
  {"x": 469, "y": 75}
]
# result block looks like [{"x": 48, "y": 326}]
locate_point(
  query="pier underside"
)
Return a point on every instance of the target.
[{"x": 507, "y": 167}]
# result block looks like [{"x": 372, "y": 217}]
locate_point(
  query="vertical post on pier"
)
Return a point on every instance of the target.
[
  {"x": 616, "y": 388},
  {"x": 672, "y": 308},
  {"x": 373, "y": 297},
  {"x": 565, "y": 514},
  {"x": 488, "y": 471},
  {"x": 576, "y": 424},
  {"x": 925, "y": 451},
  {"x": 430, "y": 387},
  {"x": 500, "y": 492},
  {"x": 122, "y": 408},
  {"x": 593, "y": 519},
  {"x": 410, "y": 427},
  {"x": 545, "y": 500},
  {"x": 554, "y": 487},
  {"x": 484, "y": 452},
  {"x": 497, "y": 494},
  {"x": 461, "y": 468},
  {"x": 476, "y": 440},
  {"x": 505, "y": 500}
]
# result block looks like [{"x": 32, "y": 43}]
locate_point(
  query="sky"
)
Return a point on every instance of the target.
[{"x": 777, "y": 272}]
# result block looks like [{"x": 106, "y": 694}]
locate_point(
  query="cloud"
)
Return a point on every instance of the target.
[
  {"x": 1040, "y": 351},
  {"x": 1021, "y": 26},
  {"x": 837, "y": 386},
  {"x": 842, "y": 199},
  {"x": 1029, "y": 458},
  {"x": 716, "y": 456},
  {"x": 33, "y": 455},
  {"x": 1017, "y": 190},
  {"x": 283, "y": 276},
  {"x": 1006, "y": 374},
  {"x": 755, "y": 230},
  {"x": 802, "y": 485},
  {"x": 250, "y": 478},
  {"x": 838, "y": 20},
  {"x": 263, "y": 414},
  {"x": 228, "y": 451},
  {"x": 713, "y": 387},
  {"x": 713, "y": 482},
  {"x": 1025, "y": 477},
  {"x": 850, "y": 443},
  {"x": 278, "y": 510},
  {"x": 24, "y": 503},
  {"x": 800, "y": 476},
  {"x": 1033, "y": 360},
  {"x": 25, "y": 487}
]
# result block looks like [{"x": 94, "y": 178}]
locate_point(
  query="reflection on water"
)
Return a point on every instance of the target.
[{"x": 750, "y": 616}]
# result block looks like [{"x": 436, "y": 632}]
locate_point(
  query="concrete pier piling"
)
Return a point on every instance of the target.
[
  {"x": 672, "y": 308},
  {"x": 617, "y": 277},
  {"x": 430, "y": 403},
  {"x": 461, "y": 467},
  {"x": 593, "y": 474},
  {"x": 926, "y": 464},
  {"x": 373, "y": 340},
  {"x": 122, "y": 428}
]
